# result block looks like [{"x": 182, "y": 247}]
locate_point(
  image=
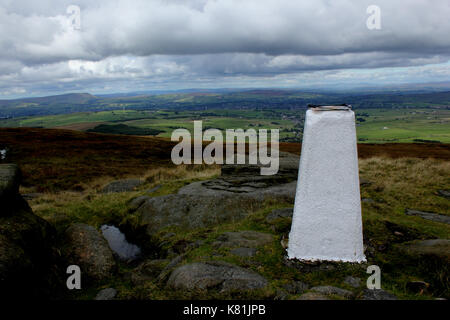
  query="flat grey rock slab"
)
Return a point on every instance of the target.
[
  {"x": 330, "y": 290},
  {"x": 215, "y": 275},
  {"x": 251, "y": 190},
  {"x": 288, "y": 164},
  {"x": 106, "y": 294},
  {"x": 124, "y": 185},
  {"x": 377, "y": 294},
  {"x": 312, "y": 296},
  {"x": 429, "y": 216},
  {"x": 246, "y": 180},
  {"x": 444, "y": 193},
  {"x": 244, "y": 252}
]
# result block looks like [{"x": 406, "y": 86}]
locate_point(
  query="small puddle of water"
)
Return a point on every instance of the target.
[{"x": 119, "y": 244}]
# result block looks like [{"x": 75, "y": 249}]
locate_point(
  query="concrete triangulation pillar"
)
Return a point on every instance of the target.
[{"x": 327, "y": 222}]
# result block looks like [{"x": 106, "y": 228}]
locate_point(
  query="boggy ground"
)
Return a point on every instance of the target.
[{"x": 390, "y": 186}]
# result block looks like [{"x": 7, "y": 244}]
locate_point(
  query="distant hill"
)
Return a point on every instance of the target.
[
  {"x": 59, "y": 104},
  {"x": 202, "y": 100},
  {"x": 63, "y": 98}
]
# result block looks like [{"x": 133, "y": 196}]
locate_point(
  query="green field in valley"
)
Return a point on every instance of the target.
[
  {"x": 373, "y": 125},
  {"x": 404, "y": 125}
]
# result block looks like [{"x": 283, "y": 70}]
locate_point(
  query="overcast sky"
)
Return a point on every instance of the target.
[{"x": 138, "y": 45}]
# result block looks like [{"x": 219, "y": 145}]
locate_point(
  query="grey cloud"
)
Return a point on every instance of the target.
[
  {"x": 180, "y": 40},
  {"x": 254, "y": 26}
]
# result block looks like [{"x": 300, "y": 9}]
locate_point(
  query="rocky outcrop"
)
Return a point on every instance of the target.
[
  {"x": 444, "y": 193},
  {"x": 239, "y": 190},
  {"x": 244, "y": 252},
  {"x": 106, "y": 294},
  {"x": 218, "y": 275},
  {"x": 27, "y": 256},
  {"x": 86, "y": 248},
  {"x": 429, "y": 215},
  {"x": 192, "y": 211},
  {"x": 377, "y": 294},
  {"x": 124, "y": 185},
  {"x": 249, "y": 188},
  {"x": 312, "y": 296},
  {"x": 330, "y": 290},
  {"x": 134, "y": 204},
  {"x": 247, "y": 181}
]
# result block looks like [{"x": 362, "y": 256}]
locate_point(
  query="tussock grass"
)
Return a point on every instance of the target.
[
  {"x": 397, "y": 185},
  {"x": 406, "y": 183},
  {"x": 181, "y": 172},
  {"x": 93, "y": 207}
]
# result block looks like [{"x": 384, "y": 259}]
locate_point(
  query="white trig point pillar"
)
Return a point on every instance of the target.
[{"x": 327, "y": 224}]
